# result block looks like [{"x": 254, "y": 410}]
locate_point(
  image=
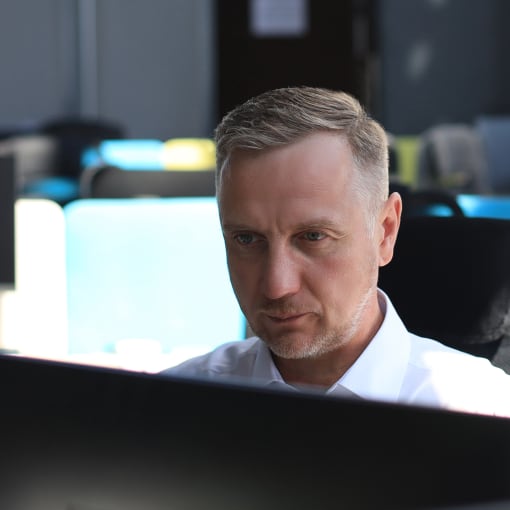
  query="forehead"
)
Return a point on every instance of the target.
[
  {"x": 310, "y": 176},
  {"x": 316, "y": 153}
]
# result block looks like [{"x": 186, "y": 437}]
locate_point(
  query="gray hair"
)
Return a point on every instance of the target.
[{"x": 283, "y": 116}]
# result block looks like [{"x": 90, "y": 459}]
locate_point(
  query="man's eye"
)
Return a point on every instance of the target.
[
  {"x": 314, "y": 236},
  {"x": 245, "y": 239}
]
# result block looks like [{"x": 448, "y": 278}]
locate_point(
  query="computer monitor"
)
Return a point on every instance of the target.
[
  {"x": 7, "y": 200},
  {"x": 86, "y": 438}
]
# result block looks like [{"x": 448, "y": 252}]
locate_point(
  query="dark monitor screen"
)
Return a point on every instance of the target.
[
  {"x": 7, "y": 199},
  {"x": 84, "y": 438}
]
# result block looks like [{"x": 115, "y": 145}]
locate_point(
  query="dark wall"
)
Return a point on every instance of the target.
[
  {"x": 331, "y": 52},
  {"x": 442, "y": 61}
]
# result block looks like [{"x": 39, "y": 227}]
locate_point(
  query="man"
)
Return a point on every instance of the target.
[{"x": 302, "y": 188}]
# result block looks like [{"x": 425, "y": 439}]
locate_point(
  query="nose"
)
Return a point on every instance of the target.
[{"x": 281, "y": 275}]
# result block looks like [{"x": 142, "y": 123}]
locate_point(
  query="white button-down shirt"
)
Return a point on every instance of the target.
[{"x": 396, "y": 366}]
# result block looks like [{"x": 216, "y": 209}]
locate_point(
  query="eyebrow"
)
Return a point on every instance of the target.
[
  {"x": 229, "y": 227},
  {"x": 315, "y": 223}
]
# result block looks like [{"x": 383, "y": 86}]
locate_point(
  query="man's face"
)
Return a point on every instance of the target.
[{"x": 302, "y": 262}]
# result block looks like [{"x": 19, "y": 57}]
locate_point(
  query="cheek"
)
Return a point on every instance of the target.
[
  {"x": 336, "y": 267},
  {"x": 343, "y": 277},
  {"x": 242, "y": 277}
]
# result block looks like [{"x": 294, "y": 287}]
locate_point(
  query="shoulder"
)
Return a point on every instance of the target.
[
  {"x": 230, "y": 359},
  {"x": 429, "y": 354},
  {"x": 455, "y": 380}
]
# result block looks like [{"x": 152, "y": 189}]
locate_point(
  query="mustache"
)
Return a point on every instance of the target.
[{"x": 284, "y": 306}]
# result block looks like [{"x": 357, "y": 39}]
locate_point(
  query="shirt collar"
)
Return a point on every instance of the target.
[
  {"x": 377, "y": 374},
  {"x": 379, "y": 371},
  {"x": 264, "y": 369}
]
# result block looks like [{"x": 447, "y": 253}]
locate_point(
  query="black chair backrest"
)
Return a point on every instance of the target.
[
  {"x": 74, "y": 135},
  {"x": 430, "y": 202},
  {"x": 450, "y": 280},
  {"x": 113, "y": 182}
]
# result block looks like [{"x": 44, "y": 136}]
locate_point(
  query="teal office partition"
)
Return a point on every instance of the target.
[{"x": 148, "y": 269}]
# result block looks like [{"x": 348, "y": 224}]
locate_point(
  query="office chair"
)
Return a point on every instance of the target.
[
  {"x": 179, "y": 167},
  {"x": 451, "y": 157},
  {"x": 431, "y": 202},
  {"x": 113, "y": 182},
  {"x": 76, "y": 134},
  {"x": 494, "y": 131},
  {"x": 36, "y": 160},
  {"x": 450, "y": 280},
  {"x": 151, "y": 270}
]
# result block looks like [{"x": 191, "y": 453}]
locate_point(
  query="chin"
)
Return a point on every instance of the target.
[
  {"x": 299, "y": 346},
  {"x": 290, "y": 347}
]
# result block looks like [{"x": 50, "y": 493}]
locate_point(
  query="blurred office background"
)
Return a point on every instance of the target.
[
  {"x": 169, "y": 68},
  {"x": 163, "y": 70}
]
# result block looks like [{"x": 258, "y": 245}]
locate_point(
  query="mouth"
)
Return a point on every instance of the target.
[{"x": 285, "y": 318}]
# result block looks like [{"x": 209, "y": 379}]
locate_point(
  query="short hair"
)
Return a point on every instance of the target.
[{"x": 282, "y": 116}]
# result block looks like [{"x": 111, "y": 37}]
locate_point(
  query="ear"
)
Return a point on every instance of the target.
[{"x": 389, "y": 222}]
